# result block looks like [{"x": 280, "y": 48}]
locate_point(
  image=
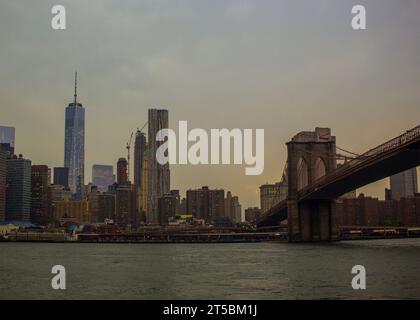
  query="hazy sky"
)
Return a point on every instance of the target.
[{"x": 284, "y": 66}]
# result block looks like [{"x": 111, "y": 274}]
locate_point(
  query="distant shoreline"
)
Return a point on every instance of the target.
[{"x": 197, "y": 241}]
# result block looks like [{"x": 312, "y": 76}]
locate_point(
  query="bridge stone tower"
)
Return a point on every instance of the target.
[{"x": 311, "y": 155}]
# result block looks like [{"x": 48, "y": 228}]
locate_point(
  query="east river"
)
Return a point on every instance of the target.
[{"x": 212, "y": 271}]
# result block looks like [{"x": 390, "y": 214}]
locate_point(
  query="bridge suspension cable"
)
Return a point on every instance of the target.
[
  {"x": 346, "y": 151},
  {"x": 336, "y": 156}
]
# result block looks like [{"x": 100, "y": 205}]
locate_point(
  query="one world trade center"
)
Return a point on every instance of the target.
[{"x": 74, "y": 144}]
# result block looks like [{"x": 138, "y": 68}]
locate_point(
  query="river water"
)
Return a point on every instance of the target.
[{"x": 212, "y": 271}]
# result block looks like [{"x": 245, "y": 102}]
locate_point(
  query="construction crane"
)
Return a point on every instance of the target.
[
  {"x": 143, "y": 126},
  {"x": 128, "y": 146}
]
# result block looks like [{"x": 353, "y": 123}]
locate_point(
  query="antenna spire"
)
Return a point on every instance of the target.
[{"x": 75, "y": 88}]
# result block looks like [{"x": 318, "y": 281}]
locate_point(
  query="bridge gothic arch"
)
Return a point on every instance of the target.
[
  {"x": 302, "y": 173},
  {"x": 320, "y": 169}
]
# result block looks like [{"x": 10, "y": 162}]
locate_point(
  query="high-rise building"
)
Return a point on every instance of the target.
[
  {"x": 140, "y": 146},
  {"x": 102, "y": 176},
  {"x": 61, "y": 176},
  {"x": 2, "y": 185},
  {"x": 158, "y": 175},
  {"x": 404, "y": 184},
  {"x": 18, "y": 192},
  {"x": 106, "y": 206},
  {"x": 228, "y": 204},
  {"x": 205, "y": 203},
  {"x": 74, "y": 145},
  {"x": 236, "y": 210},
  {"x": 183, "y": 206},
  {"x": 93, "y": 197},
  {"x": 144, "y": 188},
  {"x": 125, "y": 204},
  {"x": 252, "y": 214},
  {"x": 233, "y": 209},
  {"x": 102, "y": 205},
  {"x": 49, "y": 176},
  {"x": 122, "y": 171},
  {"x": 39, "y": 195},
  {"x": 168, "y": 206},
  {"x": 56, "y": 193},
  {"x": 7, "y": 138},
  {"x": 272, "y": 194}
]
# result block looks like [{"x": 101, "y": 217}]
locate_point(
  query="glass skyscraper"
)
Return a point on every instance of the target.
[
  {"x": 18, "y": 192},
  {"x": 102, "y": 176},
  {"x": 61, "y": 176},
  {"x": 7, "y": 137},
  {"x": 404, "y": 184},
  {"x": 74, "y": 145}
]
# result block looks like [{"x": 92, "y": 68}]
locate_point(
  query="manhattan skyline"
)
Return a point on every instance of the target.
[{"x": 239, "y": 67}]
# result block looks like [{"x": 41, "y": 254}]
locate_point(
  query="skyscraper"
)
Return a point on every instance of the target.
[
  {"x": 404, "y": 184},
  {"x": 205, "y": 203},
  {"x": 271, "y": 194},
  {"x": 236, "y": 210},
  {"x": 228, "y": 204},
  {"x": 74, "y": 145},
  {"x": 144, "y": 188},
  {"x": 7, "y": 135},
  {"x": 158, "y": 175},
  {"x": 2, "y": 185},
  {"x": 125, "y": 206},
  {"x": 140, "y": 146},
  {"x": 18, "y": 192},
  {"x": 252, "y": 215},
  {"x": 102, "y": 176},
  {"x": 122, "y": 171},
  {"x": 233, "y": 209},
  {"x": 168, "y": 206},
  {"x": 7, "y": 138},
  {"x": 39, "y": 195},
  {"x": 61, "y": 176},
  {"x": 106, "y": 206}
]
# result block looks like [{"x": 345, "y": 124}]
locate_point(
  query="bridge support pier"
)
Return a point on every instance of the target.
[{"x": 311, "y": 221}]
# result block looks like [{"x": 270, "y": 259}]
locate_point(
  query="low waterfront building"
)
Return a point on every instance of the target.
[
  {"x": 368, "y": 211},
  {"x": 72, "y": 210},
  {"x": 8, "y": 228}
]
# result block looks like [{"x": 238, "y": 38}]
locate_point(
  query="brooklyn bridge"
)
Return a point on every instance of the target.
[{"x": 316, "y": 178}]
